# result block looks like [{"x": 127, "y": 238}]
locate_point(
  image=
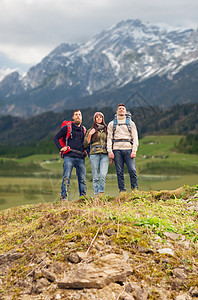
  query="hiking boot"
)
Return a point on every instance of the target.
[
  {"x": 63, "y": 198},
  {"x": 122, "y": 192}
]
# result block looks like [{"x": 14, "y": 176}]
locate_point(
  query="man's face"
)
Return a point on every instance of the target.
[
  {"x": 77, "y": 117},
  {"x": 121, "y": 111}
]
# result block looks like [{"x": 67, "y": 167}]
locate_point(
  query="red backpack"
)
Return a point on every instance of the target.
[{"x": 63, "y": 141}]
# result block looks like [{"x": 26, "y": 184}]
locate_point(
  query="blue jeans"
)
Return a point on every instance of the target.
[
  {"x": 99, "y": 167},
  {"x": 68, "y": 164},
  {"x": 121, "y": 157}
]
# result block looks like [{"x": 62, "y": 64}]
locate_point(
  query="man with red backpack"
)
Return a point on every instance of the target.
[{"x": 69, "y": 141}]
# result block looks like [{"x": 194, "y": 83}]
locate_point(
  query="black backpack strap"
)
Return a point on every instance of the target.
[
  {"x": 128, "y": 123},
  {"x": 115, "y": 123},
  {"x": 69, "y": 133}
]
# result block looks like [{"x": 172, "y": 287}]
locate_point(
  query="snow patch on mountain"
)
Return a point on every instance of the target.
[
  {"x": 6, "y": 71},
  {"x": 128, "y": 51}
]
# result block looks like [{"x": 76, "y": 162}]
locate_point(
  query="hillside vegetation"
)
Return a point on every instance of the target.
[
  {"x": 188, "y": 144},
  {"x": 36, "y": 133},
  {"x": 141, "y": 245}
]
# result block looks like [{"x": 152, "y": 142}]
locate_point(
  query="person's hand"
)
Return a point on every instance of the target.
[
  {"x": 64, "y": 149},
  {"x": 111, "y": 161},
  {"x": 133, "y": 154},
  {"x": 92, "y": 131},
  {"x": 111, "y": 155}
]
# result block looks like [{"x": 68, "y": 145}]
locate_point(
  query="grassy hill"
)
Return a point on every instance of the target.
[
  {"x": 157, "y": 155},
  {"x": 153, "y": 234}
]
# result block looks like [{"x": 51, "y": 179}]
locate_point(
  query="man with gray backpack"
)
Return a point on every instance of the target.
[{"x": 122, "y": 144}]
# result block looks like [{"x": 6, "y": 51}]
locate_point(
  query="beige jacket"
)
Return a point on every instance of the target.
[{"x": 122, "y": 132}]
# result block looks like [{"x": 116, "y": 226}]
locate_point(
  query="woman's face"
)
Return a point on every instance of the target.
[{"x": 99, "y": 119}]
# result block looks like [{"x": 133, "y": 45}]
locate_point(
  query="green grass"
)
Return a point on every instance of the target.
[
  {"x": 153, "y": 145},
  {"x": 45, "y": 234},
  {"x": 39, "y": 158},
  {"x": 155, "y": 153}
]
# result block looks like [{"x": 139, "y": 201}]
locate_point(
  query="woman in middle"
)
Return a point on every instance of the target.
[{"x": 96, "y": 138}]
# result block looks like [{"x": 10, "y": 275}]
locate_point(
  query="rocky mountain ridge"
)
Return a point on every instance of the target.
[{"x": 129, "y": 52}]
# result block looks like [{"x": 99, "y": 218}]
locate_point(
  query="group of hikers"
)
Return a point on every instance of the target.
[{"x": 117, "y": 142}]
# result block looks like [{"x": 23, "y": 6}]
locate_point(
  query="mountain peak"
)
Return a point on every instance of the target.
[
  {"x": 63, "y": 48},
  {"x": 129, "y": 52}
]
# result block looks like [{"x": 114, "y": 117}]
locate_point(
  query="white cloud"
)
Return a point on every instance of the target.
[
  {"x": 30, "y": 29},
  {"x": 26, "y": 54}
]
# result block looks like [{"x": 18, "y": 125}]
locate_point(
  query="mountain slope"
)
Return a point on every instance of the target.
[{"x": 130, "y": 52}]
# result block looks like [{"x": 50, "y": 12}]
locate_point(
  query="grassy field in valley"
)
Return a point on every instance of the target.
[{"x": 37, "y": 178}]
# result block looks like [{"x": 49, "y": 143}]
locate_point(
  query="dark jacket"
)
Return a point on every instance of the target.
[{"x": 75, "y": 141}]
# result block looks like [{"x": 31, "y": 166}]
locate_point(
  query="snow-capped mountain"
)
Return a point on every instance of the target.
[
  {"x": 130, "y": 51},
  {"x": 5, "y": 72}
]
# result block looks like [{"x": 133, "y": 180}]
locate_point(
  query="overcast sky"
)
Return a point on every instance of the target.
[{"x": 30, "y": 29}]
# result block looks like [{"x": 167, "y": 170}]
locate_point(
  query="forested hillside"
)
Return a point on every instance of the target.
[
  {"x": 188, "y": 144},
  {"x": 36, "y": 133}
]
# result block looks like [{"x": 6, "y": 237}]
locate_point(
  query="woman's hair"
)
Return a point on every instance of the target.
[{"x": 95, "y": 125}]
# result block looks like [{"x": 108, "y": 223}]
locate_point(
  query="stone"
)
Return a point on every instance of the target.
[
  {"x": 138, "y": 293},
  {"x": 177, "y": 284},
  {"x": 40, "y": 285},
  {"x": 82, "y": 255},
  {"x": 144, "y": 250},
  {"x": 183, "y": 297},
  {"x": 184, "y": 244},
  {"x": 128, "y": 288},
  {"x": 3, "y": 259},
  {"x": 193, "y": 292},
  {"x": 171, "y": 235},
  {"x": 49, "y": 275},
  {"x": 166, "y": 251},
  {"x": 125, "y": 256},
  {"x": 10, "y": 256},
  {"x": 41, "y": 258},
  {"x": 57, "y": 267},
  {"x": 74, "y": 258},
  {"x": 4, "y": 269},
  {"x": 125, "y": 296},
  {"x": 179, "y": 273},
  {"x": 110, "y": 232},
  {"x": 97, "y": 274}
]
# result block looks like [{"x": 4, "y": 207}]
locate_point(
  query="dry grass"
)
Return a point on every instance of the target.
[{"x": 138, "y": 221}]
